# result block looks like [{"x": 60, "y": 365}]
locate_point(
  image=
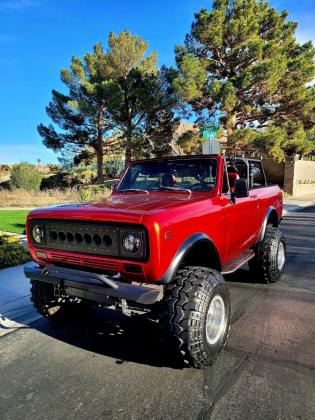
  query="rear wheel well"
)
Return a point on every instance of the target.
[
  {"x": 273, "y": 219},
  {"x": 202, "y": 254}
]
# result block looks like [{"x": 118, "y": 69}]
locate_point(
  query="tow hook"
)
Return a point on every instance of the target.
[{"x": 58, "y": 290}]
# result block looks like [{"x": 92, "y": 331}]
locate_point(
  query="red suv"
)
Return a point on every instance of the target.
[{"x": 163, "y": 240}]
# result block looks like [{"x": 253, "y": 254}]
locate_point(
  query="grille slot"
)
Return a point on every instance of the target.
[
  {"x": 65, "y": 258},
  {"x": 88, "y": 238},
  {"x": 89, "y": 262},
  {"x": 106, "y": 265}
]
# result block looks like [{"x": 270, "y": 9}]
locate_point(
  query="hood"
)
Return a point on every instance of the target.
[{"x": 129, "y": 207}]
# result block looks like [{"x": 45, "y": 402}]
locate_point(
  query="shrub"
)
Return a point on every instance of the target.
[
  {"x": 86, "y": 194},
  {"x": 57, "y": 180},
  {"x": 12, "y": 252},
  {"x": 82, "y": 174},
  {"x": 4, "y": 170},
  {"x": 93, "y": 192},
  {"x": 25, "y": 176},
  {"x": 113, "y": 168},
  {"x": 79, "y": 175}
]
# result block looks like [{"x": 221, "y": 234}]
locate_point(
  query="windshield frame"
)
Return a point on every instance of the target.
[{"x": 172, "y": 159}]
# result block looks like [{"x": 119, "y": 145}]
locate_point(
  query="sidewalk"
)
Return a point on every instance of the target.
[
  {"x": 16, "y": 309},
  {"x": 296, "y": 204}
]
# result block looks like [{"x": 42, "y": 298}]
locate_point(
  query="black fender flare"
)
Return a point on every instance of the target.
[
  {"x": 183, "y": 250},
  {"x": 271, "y": 210}
]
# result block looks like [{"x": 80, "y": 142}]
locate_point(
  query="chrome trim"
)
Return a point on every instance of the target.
[{"x": 270, "y": 210}]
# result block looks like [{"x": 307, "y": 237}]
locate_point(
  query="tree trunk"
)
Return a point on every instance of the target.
[
  {"x": 100, "y": 146},
  {"x": 230, "y": 126},
  {"x": 128, "y": 148}
]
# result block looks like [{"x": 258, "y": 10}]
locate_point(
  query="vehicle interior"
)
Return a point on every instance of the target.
[
  {"x": 178, "y": 174},
  {"x": 250, "y": 170}
]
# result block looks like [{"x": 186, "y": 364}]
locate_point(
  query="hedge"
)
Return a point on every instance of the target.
[{"x": 12, "y": 252}]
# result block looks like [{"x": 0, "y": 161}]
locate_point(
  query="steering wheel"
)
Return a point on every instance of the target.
[{"x": 200, "y": 174}]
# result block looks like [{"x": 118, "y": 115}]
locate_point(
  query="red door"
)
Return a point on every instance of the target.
[{"x": 242, "y": 224}]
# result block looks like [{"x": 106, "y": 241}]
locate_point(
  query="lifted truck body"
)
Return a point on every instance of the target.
[
  {"x": 174, "y": 223},
  {"x": 208, "y": 232}
]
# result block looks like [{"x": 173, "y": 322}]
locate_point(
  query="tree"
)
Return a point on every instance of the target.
[
  {"x": 242, "y": 58},
  {"x": 141, "y": 99},
  {"x": 114, "y": 95},
  {"x": 81, "y": 115}
]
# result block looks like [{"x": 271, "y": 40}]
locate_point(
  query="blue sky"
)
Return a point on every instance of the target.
[{"x": 39, "y": 37}]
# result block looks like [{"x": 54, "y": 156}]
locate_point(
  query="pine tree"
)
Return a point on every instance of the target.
[
  {"x": 81, "y": 114},
  {"x": 113, "y": 94},
  {"x": 141, "y": 99},
  {"x": 242, "y": 58}
]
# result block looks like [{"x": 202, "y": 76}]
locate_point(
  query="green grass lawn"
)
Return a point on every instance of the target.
[{"x": 13, "y": 220}]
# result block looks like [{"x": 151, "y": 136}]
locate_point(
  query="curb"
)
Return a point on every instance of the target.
[
  {"x": 8, "y": 326},
  {"x": 13, "y": 234},
  {"x": 289, "y": 208}
]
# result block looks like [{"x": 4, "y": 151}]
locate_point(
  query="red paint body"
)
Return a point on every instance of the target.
[{"x": 170, "y": 218}]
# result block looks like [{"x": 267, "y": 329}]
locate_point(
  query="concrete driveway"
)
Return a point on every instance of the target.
[{"x": 103, "y": 365}]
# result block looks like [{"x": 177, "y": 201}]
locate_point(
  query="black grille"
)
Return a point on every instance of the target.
[{"x": 87, "y": 237}]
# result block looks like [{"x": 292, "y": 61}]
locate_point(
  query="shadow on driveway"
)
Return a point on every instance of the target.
[
  {"x": 125, "y": 338},
  {"x": 111, "y": 333}
]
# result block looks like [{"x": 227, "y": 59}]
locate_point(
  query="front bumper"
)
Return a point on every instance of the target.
[{"x": 92, "y": 286}]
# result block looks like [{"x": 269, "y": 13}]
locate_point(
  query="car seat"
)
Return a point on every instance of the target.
[
  {"x": 233, "y": 177},
  {"x": 168, "y": 180}
]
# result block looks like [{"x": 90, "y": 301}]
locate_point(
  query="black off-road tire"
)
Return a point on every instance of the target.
[
  {"x": 183, "y": 317},
  {"x": 46, "y": 303},
  {"x": 265, "y": 265}
]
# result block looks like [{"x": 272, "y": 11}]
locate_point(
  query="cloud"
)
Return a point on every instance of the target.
[{"x": 16, "y": 4}]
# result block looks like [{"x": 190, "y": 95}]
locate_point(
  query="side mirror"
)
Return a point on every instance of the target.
[{"x": 241, "y": 188}]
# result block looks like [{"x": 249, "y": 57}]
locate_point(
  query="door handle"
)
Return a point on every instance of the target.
[{"x": 253, "y": 196}]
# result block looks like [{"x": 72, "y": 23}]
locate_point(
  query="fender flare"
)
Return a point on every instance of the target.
[
  {"x": 263, "y": 228},
  {"x": 186, "y": 246}
]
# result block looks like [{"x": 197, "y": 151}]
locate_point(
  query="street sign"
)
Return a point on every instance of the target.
[
  {"x": 212, "y": 127},
  {"x": 209, "y": 134}
]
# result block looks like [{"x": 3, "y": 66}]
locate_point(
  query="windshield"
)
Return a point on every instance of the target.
[{"x": 171, "y": 175}]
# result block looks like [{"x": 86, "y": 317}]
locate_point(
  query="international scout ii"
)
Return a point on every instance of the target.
[{"x": 164, "y": 239}]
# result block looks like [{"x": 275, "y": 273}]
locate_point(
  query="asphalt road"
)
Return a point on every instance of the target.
[{"x": 92, "y": 369}]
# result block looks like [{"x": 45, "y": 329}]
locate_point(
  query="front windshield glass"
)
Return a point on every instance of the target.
[{"x": 171, "y": 175}]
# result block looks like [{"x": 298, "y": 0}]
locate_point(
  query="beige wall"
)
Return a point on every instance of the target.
[
  {"x": 301, "y": 190},
  {"x": 304, "y": 171},
  {"x": 299, "y": 177},
  {"x": 296, "y": 177}
]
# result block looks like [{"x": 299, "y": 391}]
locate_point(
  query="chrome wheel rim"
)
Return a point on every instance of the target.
[
  {"x": 281, "y": 256},
  {"x": 216, "y": 320}
]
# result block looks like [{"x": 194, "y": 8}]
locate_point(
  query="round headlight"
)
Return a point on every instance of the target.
[
  {"x": 38, "y": 234},
  {"x": 132, "y": 242}
]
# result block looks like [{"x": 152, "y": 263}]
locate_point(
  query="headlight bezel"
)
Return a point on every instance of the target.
[
  {"x": 142, "y": 252},
  {"x": 135, "y": 242},
  {"x": 41, "y": 230}
]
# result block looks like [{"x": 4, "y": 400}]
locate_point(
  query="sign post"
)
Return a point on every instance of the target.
[{"x": 211, "y": 145}]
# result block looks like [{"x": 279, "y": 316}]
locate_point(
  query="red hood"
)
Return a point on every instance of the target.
[{"x": 121, "y": 207}]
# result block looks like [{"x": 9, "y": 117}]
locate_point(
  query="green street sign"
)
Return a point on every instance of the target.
[
  {"x": 212, "y": 127},
  {"x": 209, "y": 134}
]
